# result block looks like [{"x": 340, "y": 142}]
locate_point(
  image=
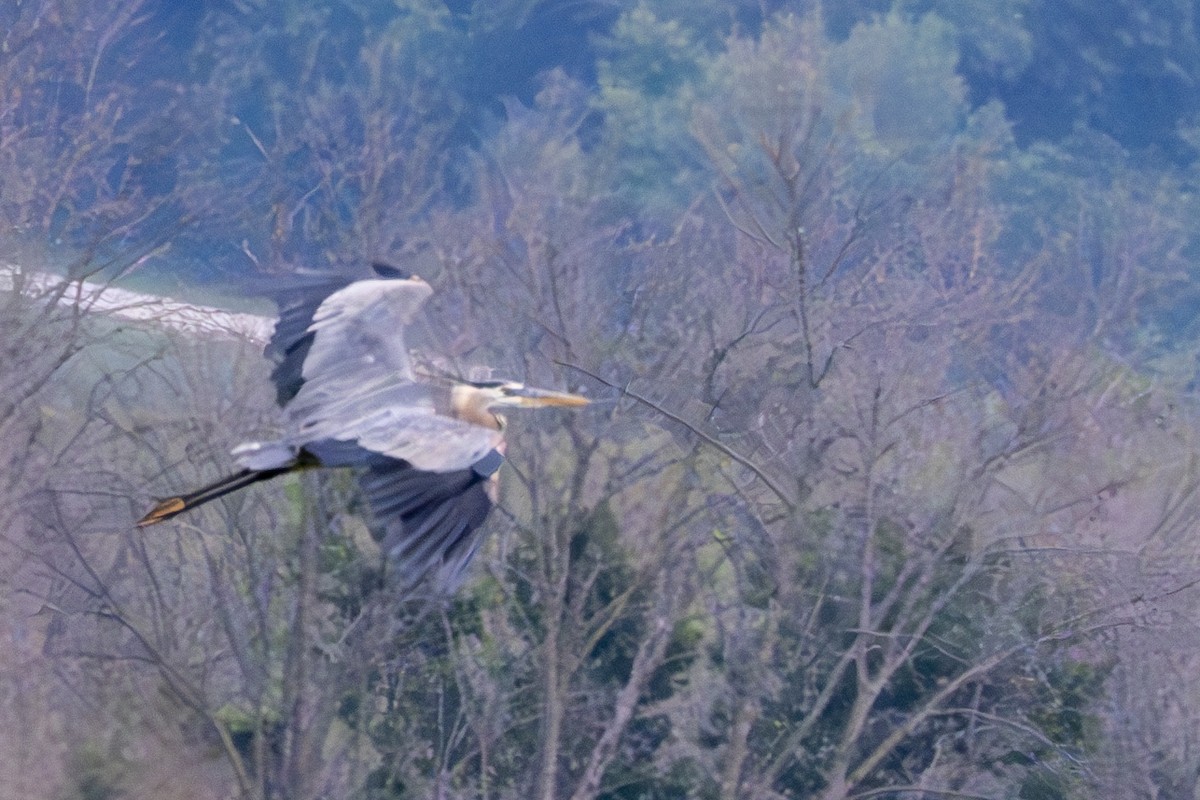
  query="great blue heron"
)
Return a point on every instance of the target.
[{"x": 425, "y": 452}]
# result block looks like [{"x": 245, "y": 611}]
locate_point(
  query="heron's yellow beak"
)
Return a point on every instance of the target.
[{"x": 527, "y": 397}]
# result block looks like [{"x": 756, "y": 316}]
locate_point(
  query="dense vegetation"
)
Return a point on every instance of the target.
[{"x": 890, "y": 489}]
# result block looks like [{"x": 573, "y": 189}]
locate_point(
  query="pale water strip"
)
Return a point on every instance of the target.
[{"x": 137, "y": 307}]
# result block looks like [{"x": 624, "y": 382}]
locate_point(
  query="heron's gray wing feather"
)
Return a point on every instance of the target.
[
  {"x": 430, "y": 519},
  {"x": 291, "y": 340},
  {"x": 358, "y": 331},
  {"x": 387, "y": 418},
  {"x": 428, "y": 442}
]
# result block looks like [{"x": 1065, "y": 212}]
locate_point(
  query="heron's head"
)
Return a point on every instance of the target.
[{"x": 472, "y": 401}]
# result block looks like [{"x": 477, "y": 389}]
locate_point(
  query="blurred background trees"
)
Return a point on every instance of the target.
[{"x": 889, "y": 489}]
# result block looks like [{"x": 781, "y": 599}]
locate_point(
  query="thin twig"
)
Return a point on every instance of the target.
[{"x": 759, "y": 472}]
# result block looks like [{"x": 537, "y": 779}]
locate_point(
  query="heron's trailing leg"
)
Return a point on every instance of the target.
[{"x": 172, "y": 506}]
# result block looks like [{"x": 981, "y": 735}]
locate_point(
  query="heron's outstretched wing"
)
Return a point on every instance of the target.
[
  {"x": 386, "y": 417},
  {"x": 345, "y": 375},
  {"x": 290, "y": 342},
  {"x": 301, "y": 300},
  {"x": 430, "y": 520},
  {"x": 358, "y": 331}
]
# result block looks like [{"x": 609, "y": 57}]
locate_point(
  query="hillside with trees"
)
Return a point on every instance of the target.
[{"x": 889, "y": 486}]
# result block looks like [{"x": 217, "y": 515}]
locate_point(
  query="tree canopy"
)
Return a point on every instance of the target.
[{"x": 887, "y": 307}]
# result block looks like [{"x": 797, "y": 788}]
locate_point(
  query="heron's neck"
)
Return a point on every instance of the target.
[{"x": 470, "y": 406}]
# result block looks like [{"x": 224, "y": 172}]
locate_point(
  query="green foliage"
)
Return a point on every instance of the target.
[
  {"x": 336, "y": 119},
  {"x": 1125, "y": 72},
  {"x": 95, "y": 772},
  {"x": 993, "y": 35},
  {"x": 898, "y": 355},
  {"x": 897, "y": 81},
  {"x": 597, "y": 549},
  {"x": 649, "y": 77},
  {"x": 1063, "y": 711},
  {"x": 90, "y": 183}
]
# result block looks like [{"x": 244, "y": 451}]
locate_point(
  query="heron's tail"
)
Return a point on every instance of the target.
[{"x": 173, "y": 506}]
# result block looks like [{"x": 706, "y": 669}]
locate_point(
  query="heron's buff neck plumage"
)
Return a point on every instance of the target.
[{"x": 470, "y": 405}]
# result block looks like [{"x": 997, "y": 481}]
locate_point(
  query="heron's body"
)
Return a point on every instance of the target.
[{"x": 345, "y": 380}]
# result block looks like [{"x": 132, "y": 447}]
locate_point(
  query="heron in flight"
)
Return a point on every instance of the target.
[{"x": 425, "y": 453}]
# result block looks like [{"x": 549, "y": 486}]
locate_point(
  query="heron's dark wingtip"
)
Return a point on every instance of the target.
[
  {"x": 386, "y": 270},
  {"x": 163, "y": 511}
]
